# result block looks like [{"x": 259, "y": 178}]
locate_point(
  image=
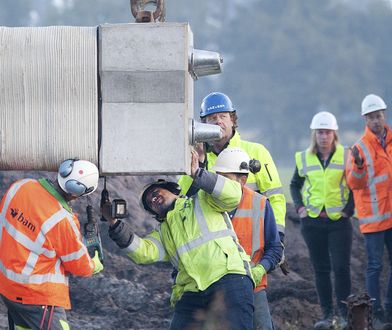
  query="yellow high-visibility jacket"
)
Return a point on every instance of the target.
[
  {"x": 267, "y": 181},
  {"x": 323, "y": 188},
  {"x": 197, "y": 238}
]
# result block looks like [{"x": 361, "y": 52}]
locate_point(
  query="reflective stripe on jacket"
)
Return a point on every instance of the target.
[
  {"x": 323, "y": 187},
  {"x": 39, "y": 242},
  {"x": 248, "y": 223},
  {"x": 372, "y": 184},
  {"x": 266, "y": 181},
  {"x": 198, "y": 238}
]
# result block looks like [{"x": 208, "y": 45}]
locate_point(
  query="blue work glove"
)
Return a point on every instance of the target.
[
  {"x": 257, "y": 273},
  {"x": 98, "y": 267}
]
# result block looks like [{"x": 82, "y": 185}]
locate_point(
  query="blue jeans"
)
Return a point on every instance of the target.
[
  {"x": 375, "y": 250},
  {"x": 329, "y": 243},
  {"x": 225, "y": 304},
  {"x": 262, "y": 317}
]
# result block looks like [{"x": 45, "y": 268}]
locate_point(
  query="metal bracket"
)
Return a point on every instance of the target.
[
  {"x": 145, "y": 16},
  {"x": 360, "y": 312}
]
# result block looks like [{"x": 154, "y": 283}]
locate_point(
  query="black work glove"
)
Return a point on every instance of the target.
[
  {"x": 357, "y": 157},
  {"x": 121, "y": 233},
  {"x": 283, "y": 264}
]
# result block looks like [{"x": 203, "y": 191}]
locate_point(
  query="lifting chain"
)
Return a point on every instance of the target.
[{"x": 145, "y": 16}]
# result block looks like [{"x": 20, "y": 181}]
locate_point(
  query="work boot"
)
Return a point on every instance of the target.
[
  {"x": 388, "y": 315},
  {"x": 341, "y": 323},
  {"x": 387, "y": 319},
  {"x": 325, "y": 324},
  {"x": 378, "y": 319}
]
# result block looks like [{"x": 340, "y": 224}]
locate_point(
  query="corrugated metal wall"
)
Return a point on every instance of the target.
[{"x": 48, "y": 96}]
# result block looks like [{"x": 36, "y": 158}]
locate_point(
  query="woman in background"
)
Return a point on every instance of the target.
[{"x": 325, "y": 204}]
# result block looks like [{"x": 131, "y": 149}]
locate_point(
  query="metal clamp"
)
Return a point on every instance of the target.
[{"x": 146, "y": 16}]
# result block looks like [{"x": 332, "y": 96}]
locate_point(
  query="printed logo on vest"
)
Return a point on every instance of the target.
[
  {"x": 14, "y": 212},
  {"x": 22, "y": 219}
]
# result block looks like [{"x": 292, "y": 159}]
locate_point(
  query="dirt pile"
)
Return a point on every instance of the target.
[{"x": 129, "y": 296}]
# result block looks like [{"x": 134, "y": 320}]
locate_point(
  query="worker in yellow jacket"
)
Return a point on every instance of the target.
[
  {"x": 40, "y": 244},
  {"x": 217, "y": 109},
  {"x": 196, "y": 236},
  {"x": 325, "y": 203}
]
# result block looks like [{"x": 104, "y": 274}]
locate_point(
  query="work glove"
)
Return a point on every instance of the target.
[
  {"x": 284, "y": 266},
  {"x": 121, "y": 233},
  {"x": 98, "y": 267},
  {"x": 356, "y": 155},
  {"x": 302, "y": 212},
  {"x": 258, "y": 272}
]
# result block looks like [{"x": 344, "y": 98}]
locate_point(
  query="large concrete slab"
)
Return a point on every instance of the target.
[{"x": 147, "y": 98}]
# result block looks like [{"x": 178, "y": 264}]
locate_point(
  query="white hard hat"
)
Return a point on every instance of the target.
[
  {"x": 372, "y": 103},
  {"x": 232, "y": 160},
  {"x": 78, "y": 177},
  {"x": 324, "y": 120}
]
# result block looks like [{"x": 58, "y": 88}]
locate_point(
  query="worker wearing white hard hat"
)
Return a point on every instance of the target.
[
  {"x": 43, "y": 234},
  {"x": 254, "y": 223},
  {"x": 324, "y": 204},
  {"x": 369, "y": 174}
]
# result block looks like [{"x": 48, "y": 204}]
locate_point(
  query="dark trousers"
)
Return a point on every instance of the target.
[
  {"x": 225, "y": 304},
  {"x": 36, "y": 317},
  {"x": 329, "y": 243}
]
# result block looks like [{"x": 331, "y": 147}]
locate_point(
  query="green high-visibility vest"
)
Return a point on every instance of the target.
[{"x": 323, "y": 187}]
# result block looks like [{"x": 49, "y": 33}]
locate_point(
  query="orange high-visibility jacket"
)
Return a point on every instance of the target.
[
  {"x": 372, "y": 184},
  {"x": 248, "y": 223},
  {"x": 40, "y": 242}
]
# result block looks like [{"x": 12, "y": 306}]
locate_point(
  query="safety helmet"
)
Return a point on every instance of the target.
[
  {"x": 173, "y": 187},
  {"x": 372, "y": 103},
  {"x": 232, "y": 160},
  {"x": 78, "y": 177},
  {"x": 215, "y": 102},
  {"x": 324, "y": 120}
]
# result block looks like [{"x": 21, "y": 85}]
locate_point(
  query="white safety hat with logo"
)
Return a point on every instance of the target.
[
  {"x": 372, "y": 103},
  {"x": 324, "y": 120}
]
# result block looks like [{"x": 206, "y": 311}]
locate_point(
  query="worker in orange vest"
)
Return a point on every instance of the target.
[
  {"x": 40, "y": 244},
  {"x": 369, "y": 175},
  {"x": 254, "y": 223}
]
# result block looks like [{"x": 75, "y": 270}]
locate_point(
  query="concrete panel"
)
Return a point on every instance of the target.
[
  {"x": 48, "y": 96},
  {"x": 144, "y": 139},
  {"x": 147, "y": 98},
  {"x": 144, "y": 87},
  {"x": 144, "y": 47}
]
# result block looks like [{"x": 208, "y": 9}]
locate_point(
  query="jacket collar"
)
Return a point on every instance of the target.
[
  {"x": 52, "y": 190},
  {"x": 372, "y": 138}
]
